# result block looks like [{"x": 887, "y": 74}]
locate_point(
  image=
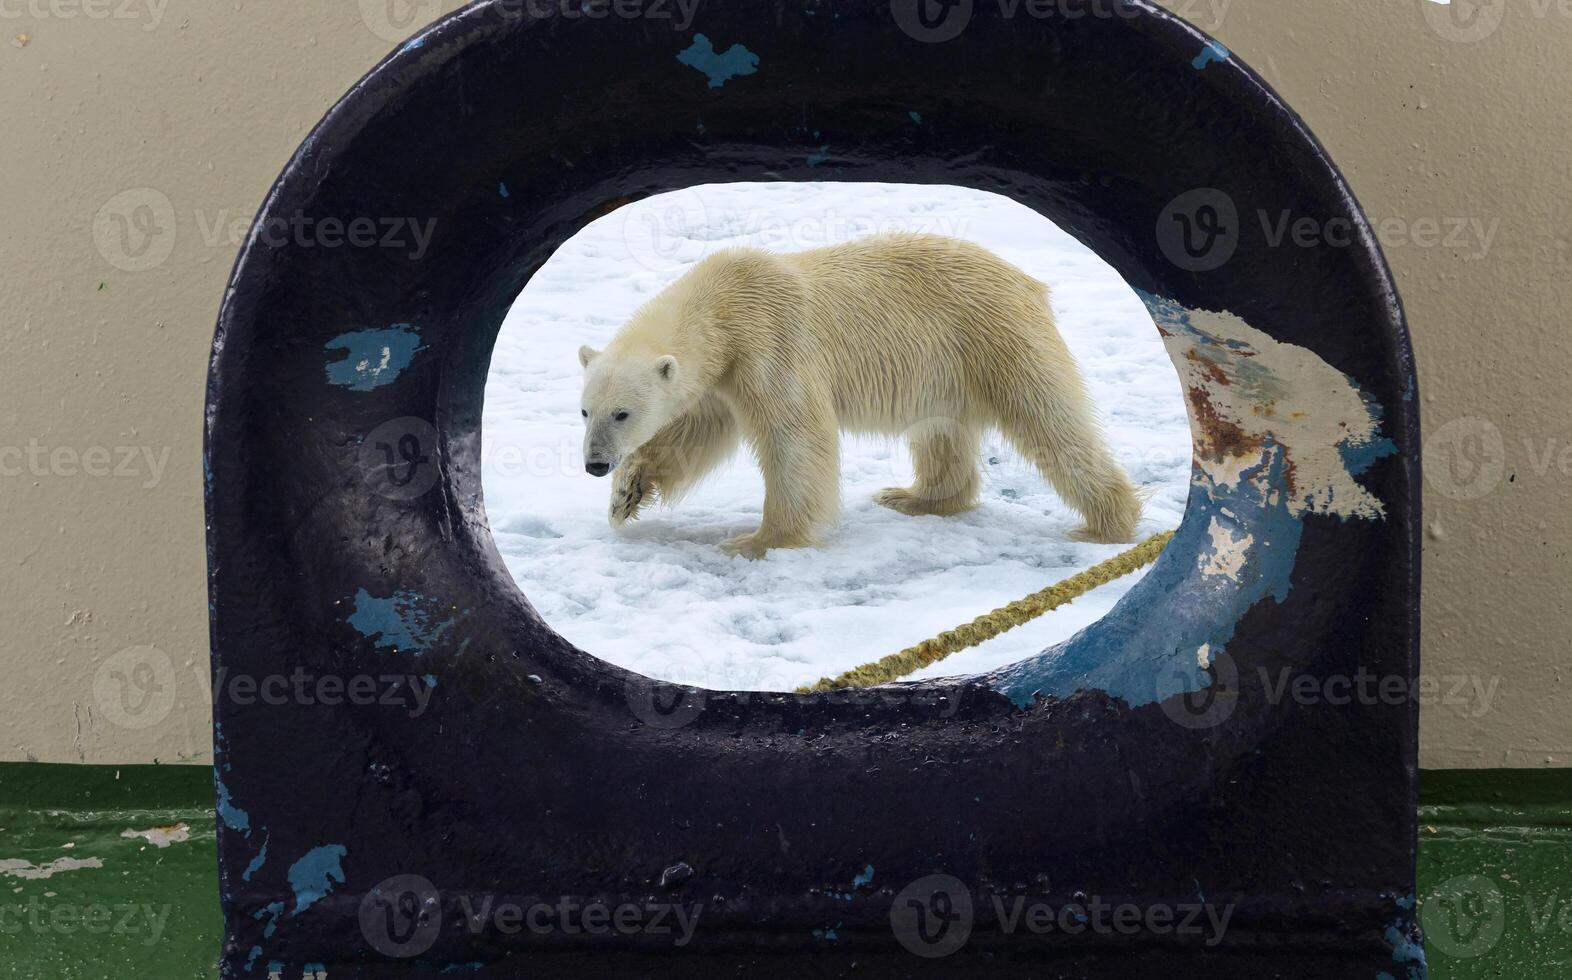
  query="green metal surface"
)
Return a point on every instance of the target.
[
  {"x": 147, "y": 912},
  {"x": 1495, "y": 873}
]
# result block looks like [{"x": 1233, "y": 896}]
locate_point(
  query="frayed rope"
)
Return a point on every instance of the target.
[{"x": 990, "y": 625}]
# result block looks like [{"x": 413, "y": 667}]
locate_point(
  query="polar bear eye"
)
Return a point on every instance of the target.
[
  {"x": 584, "y": 412},
  {"x": 621, "y": 416}
]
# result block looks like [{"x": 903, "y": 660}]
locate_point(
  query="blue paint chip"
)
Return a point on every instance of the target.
[
  {"x": 915, "y": 116},
  {"x": 233, "y": 817},
  {"x": 1404, "y": 949},
  {"x": 274, "y": 911},
  {"x": 415, "y": 43},
  {"x": 1360, "y": 456},
  {"x": 718, "y": 67},
  {"x": 1215, "y": 51},
  {"x": 256, "y": 863},
  {"x": 502, "y": 189},
  {"x": 865, "y": 878},
  {"x": 374, "y": 357},
  {"x": 403, "y": 621},
  {"x": 819, "y": 156},
  {"x": 313, "y": 875}
]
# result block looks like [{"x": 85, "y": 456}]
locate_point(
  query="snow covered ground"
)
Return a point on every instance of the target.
[{"x": 660, "y": 598}]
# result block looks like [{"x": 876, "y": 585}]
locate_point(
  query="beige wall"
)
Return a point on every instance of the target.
[{"x": 186, "y": 109}]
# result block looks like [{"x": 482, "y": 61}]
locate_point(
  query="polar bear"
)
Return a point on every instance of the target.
[{"x": 921, "y": 336}]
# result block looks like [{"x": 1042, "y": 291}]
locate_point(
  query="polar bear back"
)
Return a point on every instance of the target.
[{"x": 912, "y": 327}]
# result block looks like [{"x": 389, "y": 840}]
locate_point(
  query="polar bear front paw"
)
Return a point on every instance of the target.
[{"x": 630, "y": 487}]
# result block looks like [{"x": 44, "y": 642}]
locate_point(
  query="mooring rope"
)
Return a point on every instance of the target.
[{"x": 990, "y": 625}]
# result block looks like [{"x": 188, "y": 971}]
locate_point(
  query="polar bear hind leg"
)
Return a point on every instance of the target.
[
  {"x": 1049, "y": 420},
  {"x": 944, "y": 456}
]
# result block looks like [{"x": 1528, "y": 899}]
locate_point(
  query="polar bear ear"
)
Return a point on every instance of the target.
[
  {"x": 587, "y": 354},
  {"x": 667, "y": 366}
]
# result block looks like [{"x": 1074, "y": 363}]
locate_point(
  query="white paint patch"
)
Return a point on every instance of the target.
[
  {"x": 161, "y": 837},
  {"x": 1228, "y": 553},
  {"x": 1203, "y": 655},
  {"x": 1280, "y": 392},
  {"x": 18, "y": 868}
]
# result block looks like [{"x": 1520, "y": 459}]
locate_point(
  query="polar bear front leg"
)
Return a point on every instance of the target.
[
  {"x": 632, "y": 487},
  {"x": 799, "y": 454},
  {"x": 669, "y": 465}
]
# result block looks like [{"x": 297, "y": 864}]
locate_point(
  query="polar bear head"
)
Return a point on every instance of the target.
[{"x": 628, "y": 397}]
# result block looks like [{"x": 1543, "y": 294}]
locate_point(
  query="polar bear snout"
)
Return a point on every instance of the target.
[{"x": 597, "y": 469}]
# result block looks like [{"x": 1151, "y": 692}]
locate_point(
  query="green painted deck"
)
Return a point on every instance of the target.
[{"x": 1495, "y": 873}]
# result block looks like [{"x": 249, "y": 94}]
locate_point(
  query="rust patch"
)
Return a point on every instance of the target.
[
  {"x": 1220, "y": 437},
  {"x": 1208, "y": 367}
]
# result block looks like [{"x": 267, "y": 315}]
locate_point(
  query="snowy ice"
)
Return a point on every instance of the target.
[{"x": 659, "y": 597}]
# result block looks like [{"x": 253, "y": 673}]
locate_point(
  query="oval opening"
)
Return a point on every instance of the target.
[{"x": 660, "y": 597}]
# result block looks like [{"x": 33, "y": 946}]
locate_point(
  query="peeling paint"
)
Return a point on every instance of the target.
[
  {"x": 274, "y": 911},
  {"x": 404, "y": 620},
  {"x": 1275, "y": 428},
  {"x": 719, "y": 68},
  {"x": 1214, "y": 51},
  {"x": 313, "y": 875},
  {"x": 373, "y": 357},
  {"x": 1245, "y": 387},
  {"x": 28, "y": 871},
  {"x": 233, "y": 817},
  {"x": 256, "y": 863},
  {"x": 1228, "y": 552},
  {"x": 160, "y": 837}
]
